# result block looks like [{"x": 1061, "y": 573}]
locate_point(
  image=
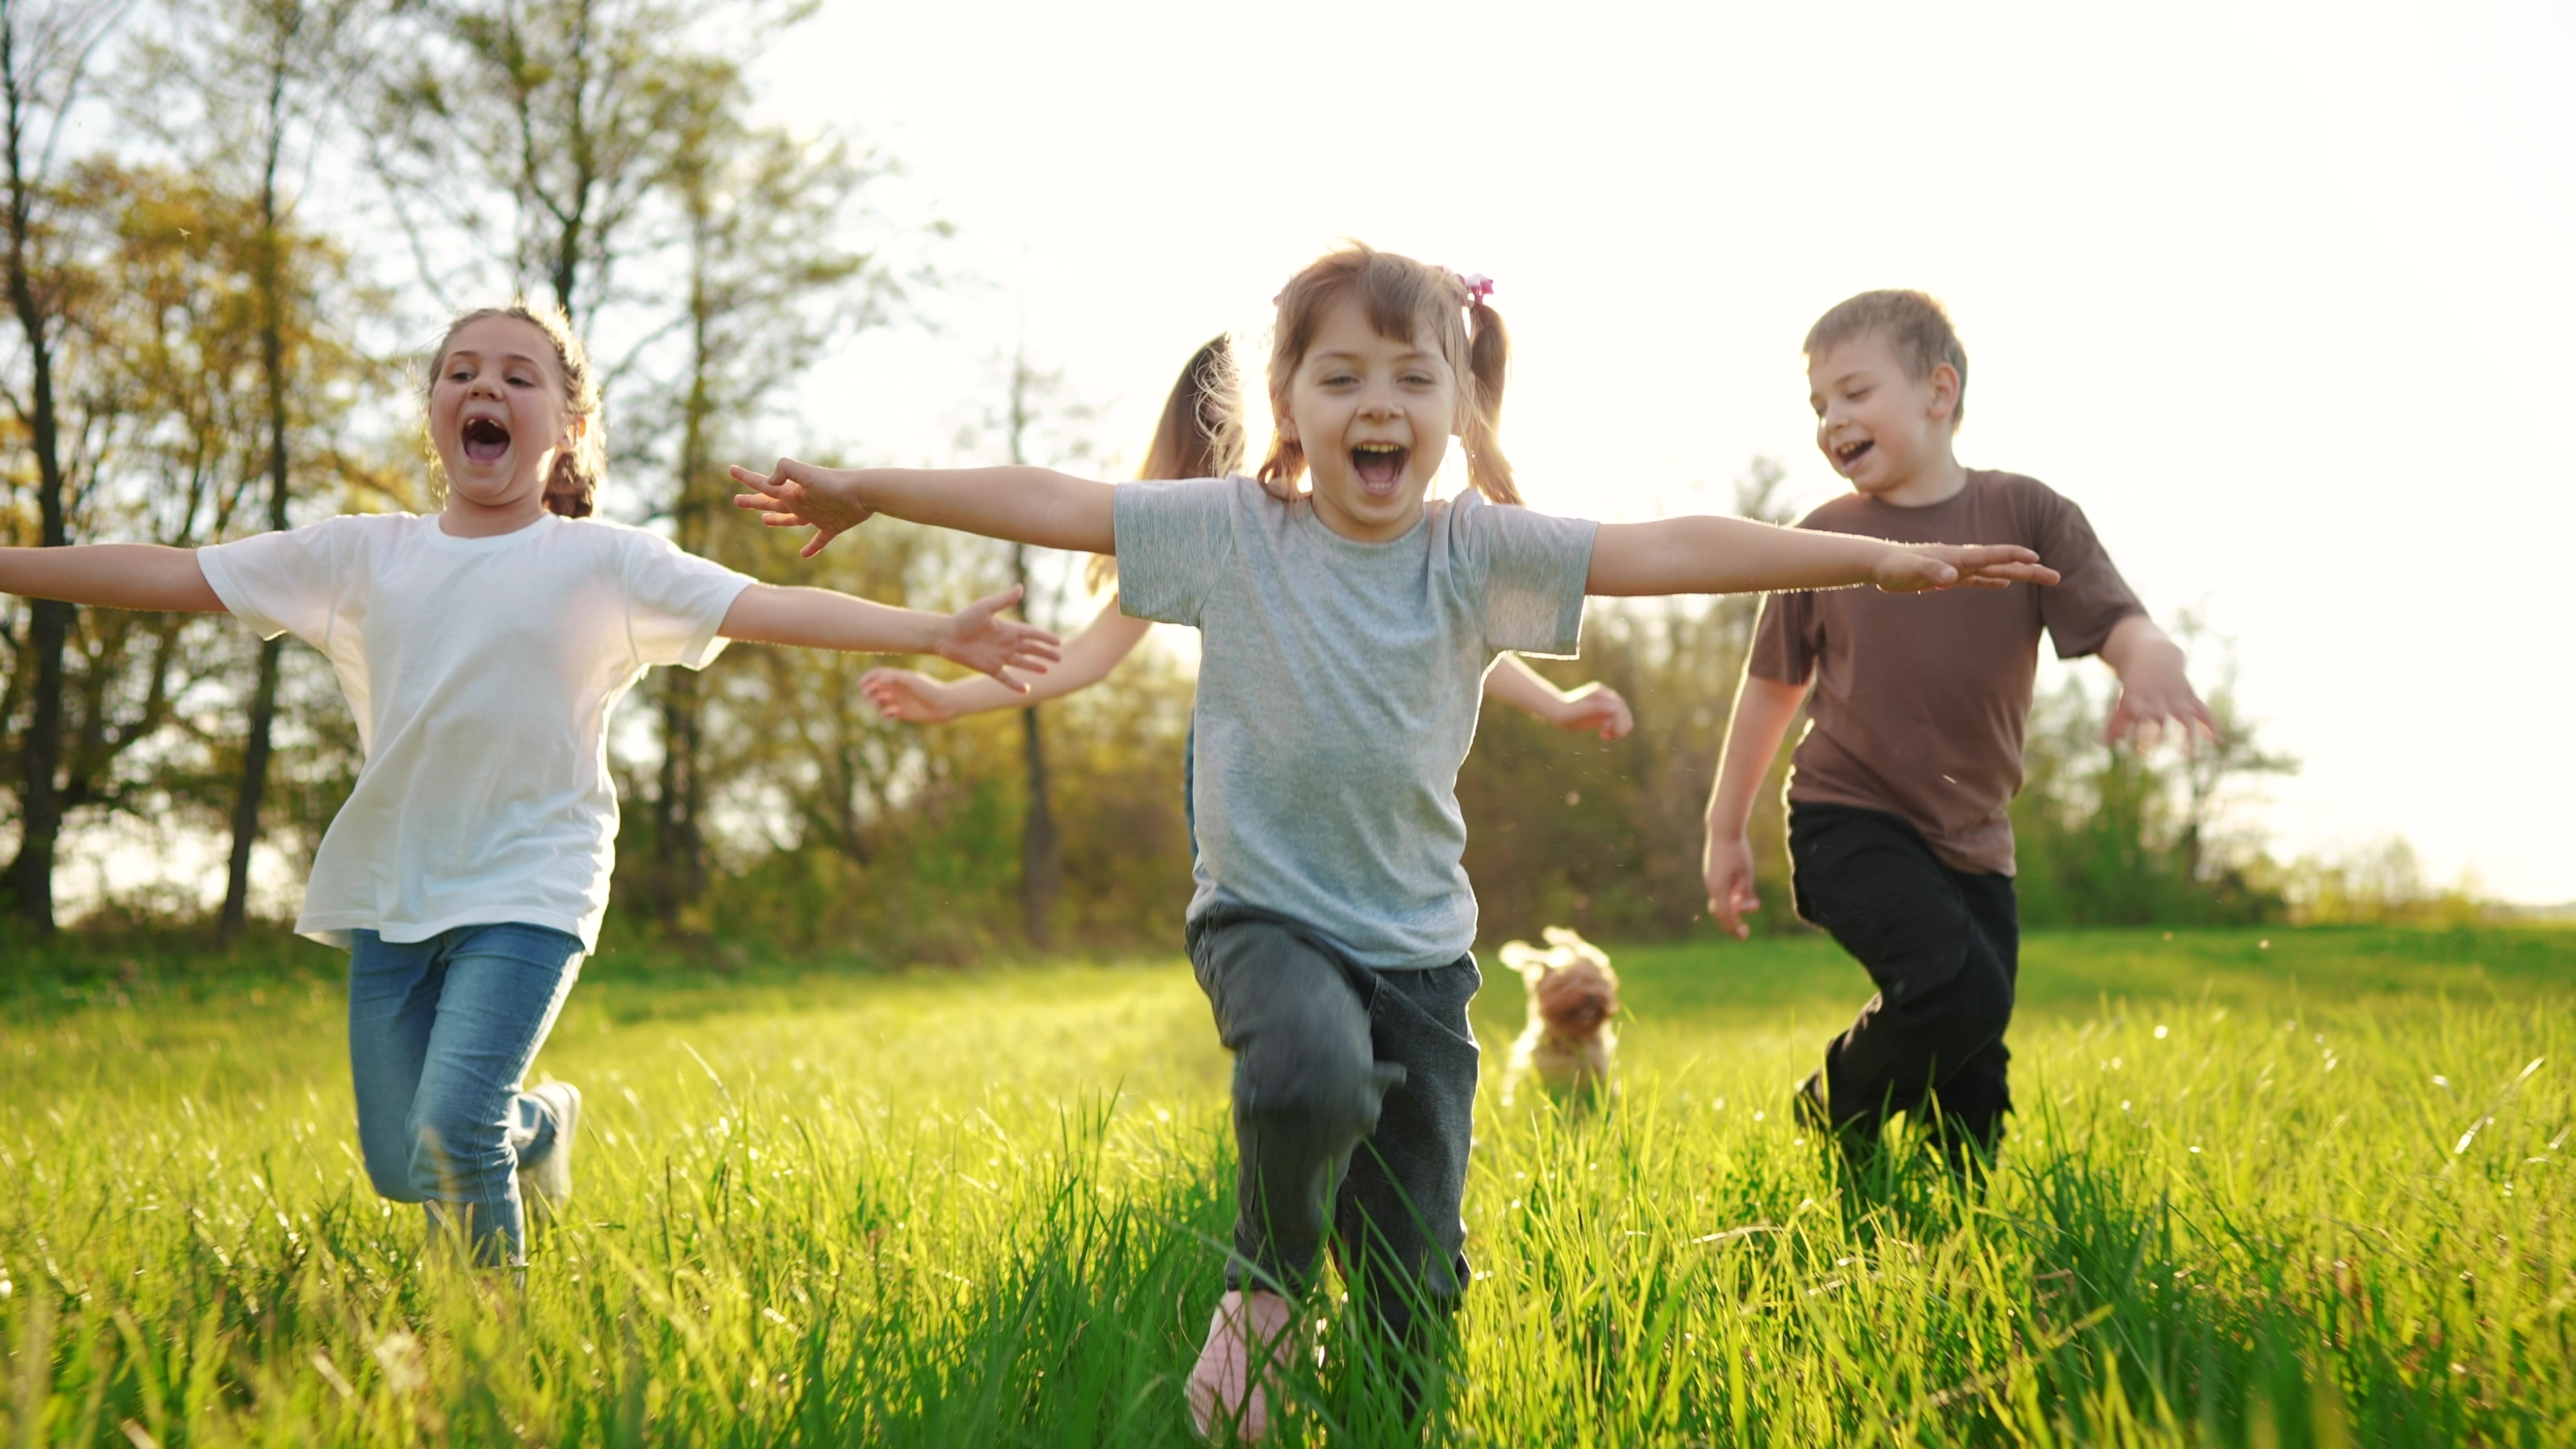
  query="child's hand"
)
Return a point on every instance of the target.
[
  {"x": 2153, "y": 695},
  {"x": 979, "y": 638},
  {"x": 1594, "y": 709},
  {"x": 1729, "y": 868},
  {"x": 799, "y": 495},
  {"x": 1912, "y": 568},
  {"x": 907, "y": 695}
]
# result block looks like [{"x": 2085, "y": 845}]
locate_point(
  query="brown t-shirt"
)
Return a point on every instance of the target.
[{"x": 1920, "y": 699}]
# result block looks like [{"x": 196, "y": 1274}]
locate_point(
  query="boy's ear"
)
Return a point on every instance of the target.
[{"x": 1945, "y": 391}]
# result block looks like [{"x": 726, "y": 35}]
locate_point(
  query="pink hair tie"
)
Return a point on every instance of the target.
[{"x": 1479, "y": 287}]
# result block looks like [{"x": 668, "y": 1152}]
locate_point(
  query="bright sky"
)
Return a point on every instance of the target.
[{"x": 2280, "y": 294}]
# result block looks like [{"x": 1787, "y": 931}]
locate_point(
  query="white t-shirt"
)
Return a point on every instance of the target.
[{"x": 482, "y": 672}]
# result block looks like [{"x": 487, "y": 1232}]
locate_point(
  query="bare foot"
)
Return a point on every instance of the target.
[{"x": 1222, "y": 1389}]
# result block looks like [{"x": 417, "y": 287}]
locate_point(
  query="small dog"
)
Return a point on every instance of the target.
[{"x": 1569, "y": 1042}]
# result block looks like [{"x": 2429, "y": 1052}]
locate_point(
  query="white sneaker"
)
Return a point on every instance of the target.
[{"x": 546, "y": 1184}]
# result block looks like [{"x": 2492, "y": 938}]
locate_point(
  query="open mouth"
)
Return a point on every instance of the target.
[
  {"x": 485, "y": 440},
  {"x": 1379, "y": 465},
  {"x": 1848, "y": 456}
]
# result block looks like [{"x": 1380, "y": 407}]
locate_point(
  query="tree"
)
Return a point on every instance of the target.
[
  {"x": 46, "y": 50},
  {"x": 566, "y": 113},
  {"x": 1034, "y": 415},
  {"x": 769, "y": 285},
  {"x": 159, "y": 384},
  {"x": 237, "y": 90}
]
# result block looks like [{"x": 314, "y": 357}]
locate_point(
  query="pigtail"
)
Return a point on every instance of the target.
[
  {"x": 573, "y": 488},
  {"x": 1489, "y": 360},
  {"x": 1200, "y": 434}
]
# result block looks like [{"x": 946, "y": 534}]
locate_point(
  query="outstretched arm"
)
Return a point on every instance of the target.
[
  {"x": 114, "y": 575},
  {"x": 974, "y": 636},
  {"x": 2154, "y": 689},
  {"x": 1594, "y": 707},
  {"x": 905, "y": 694},
  {"x": 1763, "y": 710},
  {"x": 1708, "y": 555},
  {"x": 1024, "y": 505}
]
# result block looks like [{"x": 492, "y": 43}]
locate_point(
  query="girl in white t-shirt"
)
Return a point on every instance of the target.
[{"x": 482, "y": 649}]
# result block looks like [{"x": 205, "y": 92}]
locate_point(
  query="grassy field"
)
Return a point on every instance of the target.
[{"x": 2310, "y": 1189}]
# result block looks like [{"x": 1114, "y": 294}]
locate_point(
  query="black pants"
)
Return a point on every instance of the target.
[
  {"x": 1354, "y": 1092},
  {"x": 1943, "y": 946}
]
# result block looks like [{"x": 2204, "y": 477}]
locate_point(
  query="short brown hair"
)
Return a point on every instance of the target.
[
  {"x": 1404, "y": 300},
  {"x": 573, "y": 488},
  {"x": 1916, "y": 329}
]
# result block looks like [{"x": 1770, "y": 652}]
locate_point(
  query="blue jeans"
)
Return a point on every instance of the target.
[{"x": 440, "y": 1036}]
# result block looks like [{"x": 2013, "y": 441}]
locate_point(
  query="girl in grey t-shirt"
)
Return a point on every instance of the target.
[{"x": 1345, "y": 629}]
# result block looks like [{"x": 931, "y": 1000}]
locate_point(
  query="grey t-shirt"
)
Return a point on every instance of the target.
[{"x": 1338, "y": 688}]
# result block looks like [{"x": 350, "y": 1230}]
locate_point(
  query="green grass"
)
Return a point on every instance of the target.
[{"x": 2315, "y": 1192}]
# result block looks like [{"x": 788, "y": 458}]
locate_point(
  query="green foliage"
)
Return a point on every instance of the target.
[
  {"x": 2308, "y": 1192},
  {"x": 2121, "y": 835},
  {"x": 1607, "y": 836}
]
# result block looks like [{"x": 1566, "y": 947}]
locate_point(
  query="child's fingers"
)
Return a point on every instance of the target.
[
  {"x": 1981, "y": 555},
  {"x": 1728, "y": 909},
  {"x": 776, "y": 482},
  {"x": 995, "y": 603}
]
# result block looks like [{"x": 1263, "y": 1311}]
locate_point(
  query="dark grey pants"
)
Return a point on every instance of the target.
[
  {"x": 1943, "y": 947},
  {"x": 1353, "y": 1097}
]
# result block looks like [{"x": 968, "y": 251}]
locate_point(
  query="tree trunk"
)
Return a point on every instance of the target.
[
  {"x": 40, "y": 803},
  {"x": 679, "y": 840},
  {"x": 272, "y": 362},
  {"x": 1041, "y": 855},
  {"x": 679, "y": 845},
  {"x": 1041, "y": 851}
]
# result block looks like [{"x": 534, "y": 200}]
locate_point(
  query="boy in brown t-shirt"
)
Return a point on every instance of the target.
[{"x": 1899, "y": 840}]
